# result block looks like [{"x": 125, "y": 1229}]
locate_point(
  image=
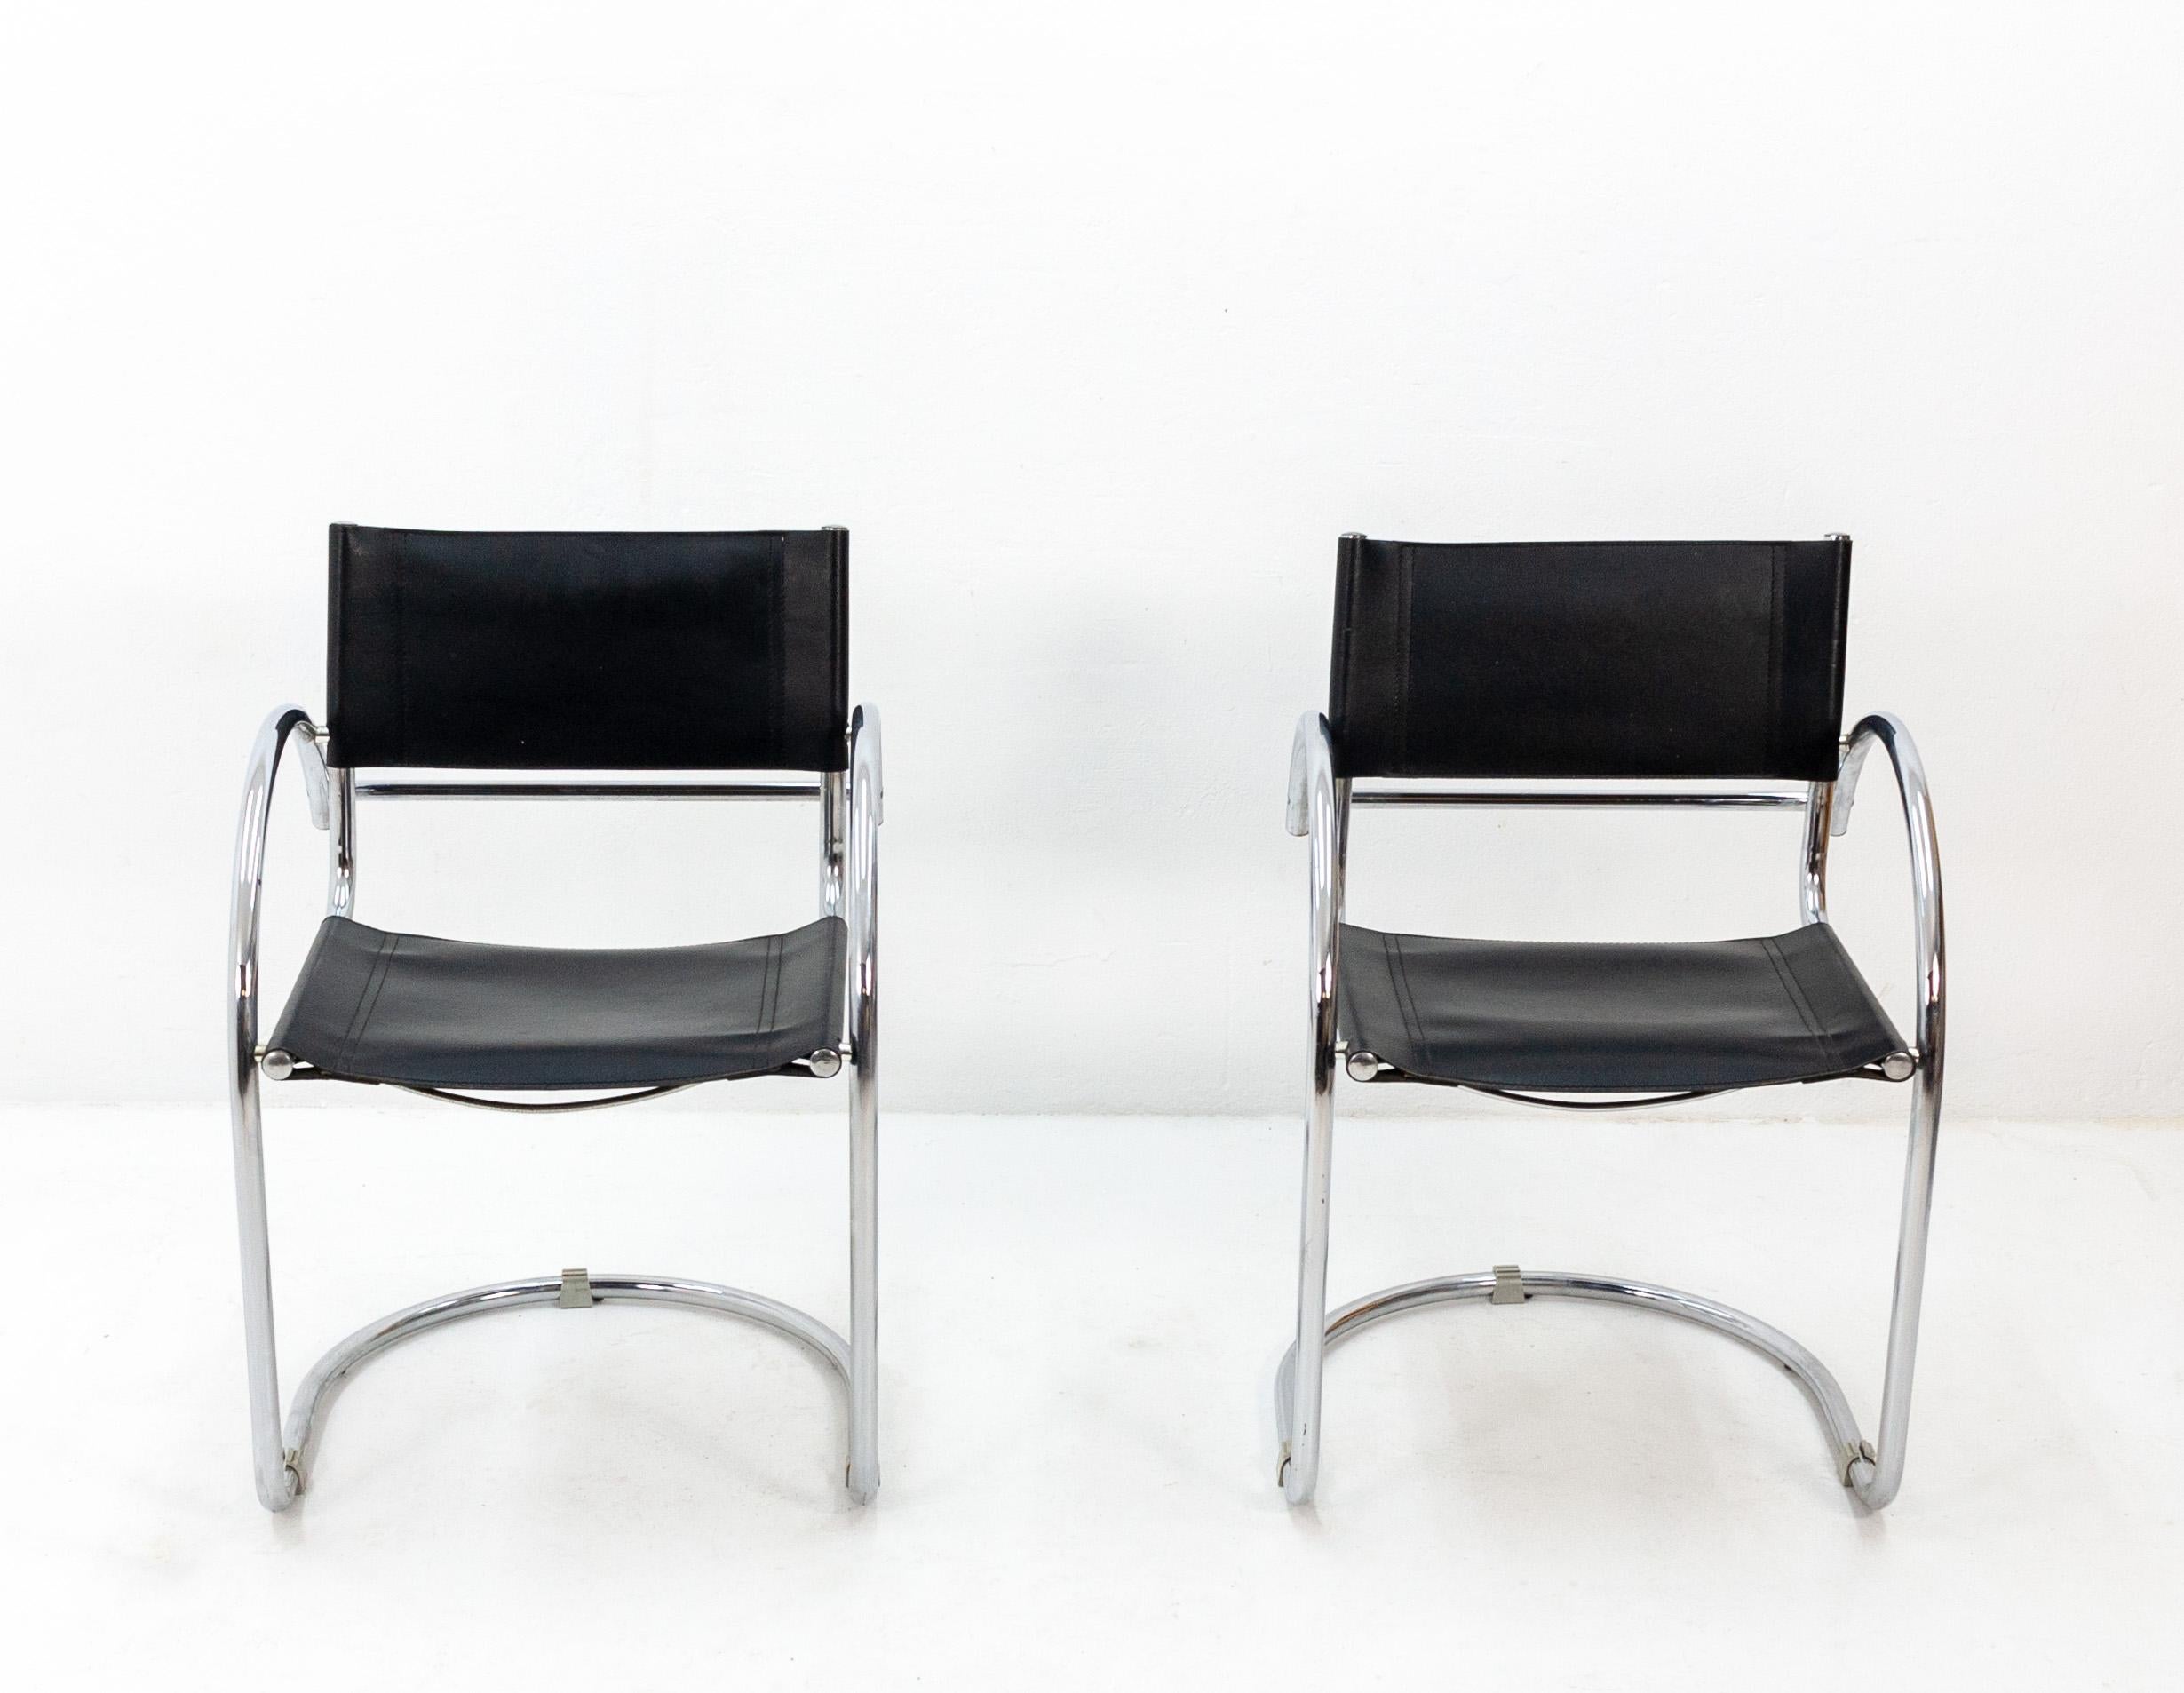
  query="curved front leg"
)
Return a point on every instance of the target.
[
  {"x": 865, "y": 797},
  {"x": 276, "y": 1476},
  {"x": 1877, "y": 1479},
  {"x": 1318, "y": 809}
]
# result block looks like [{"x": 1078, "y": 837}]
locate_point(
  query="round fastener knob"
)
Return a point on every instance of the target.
[
  {"x": 1363, "y": 1066},
  {"x": 1897, "y": 1066},
  {"x": 278, "y": 1065},
  {"x": 825, "y": 1063}
]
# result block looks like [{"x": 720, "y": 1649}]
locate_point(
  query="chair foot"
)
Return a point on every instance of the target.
[
  {"x": 283, "y": 1491},
  {"x": 572, "y": 1289},
  {"x": 1855, "y": 1466}
]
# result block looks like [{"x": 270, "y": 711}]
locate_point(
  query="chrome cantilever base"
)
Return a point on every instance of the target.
[
  {"x": 307, "y": 1414},
  {"x": 1853, "y": 1456}
]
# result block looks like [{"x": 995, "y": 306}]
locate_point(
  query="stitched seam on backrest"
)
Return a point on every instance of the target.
[
  {"x": 1776, "y": 637},
  {"x": 1788, "y": 977},
  {"x": 837, "y": 656},
  {"x": 396, "y": 550},
  {"x": 1404, "y": 573},
  {"x": 777, "y": 645},
  {"x": 1838, "y": 612},
  {"x": 1346, "y": 678}
]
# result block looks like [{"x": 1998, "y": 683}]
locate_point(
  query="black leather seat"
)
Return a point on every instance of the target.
[
  {"x": 421, "y": 1012},
  {"x": 1572, "y": 1017}
]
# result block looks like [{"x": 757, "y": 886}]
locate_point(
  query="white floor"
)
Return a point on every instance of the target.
[{"x": 1081, "y": 1320}]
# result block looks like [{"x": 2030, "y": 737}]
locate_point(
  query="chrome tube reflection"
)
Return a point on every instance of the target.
[
  {"x": 866, "y": 805},
  {"x": 276, "y": 1476},
  {"x": 1318, "y": 809},
  {"x": 1881, "y": 1480}
]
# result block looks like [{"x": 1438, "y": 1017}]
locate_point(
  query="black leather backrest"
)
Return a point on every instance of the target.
[
  {"x": 1640, "y": 658},
  {"x": 588, "y": 651}
]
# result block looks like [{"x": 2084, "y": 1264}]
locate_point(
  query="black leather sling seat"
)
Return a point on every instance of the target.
[
  {"x": 421, "y": 1012},
  {"x": 1571, "y": 1017}
]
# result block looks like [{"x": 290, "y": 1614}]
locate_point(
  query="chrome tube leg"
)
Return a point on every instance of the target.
[
  {"x": 1813, "y": 867},
  {"x": 1876, "y": 1483},
  {"x": 1876, "y": 1480},
  {"x": 864, "y": 1478},
  {"x": 1319, "y": 808},
  {"x": 276, "y": 1478},
  {"x": 862, "y": 896},
  {"x": 833, "y": 841},
  {"x": 341, "y": 846},
  {"x": 1300, "y": 1455}
]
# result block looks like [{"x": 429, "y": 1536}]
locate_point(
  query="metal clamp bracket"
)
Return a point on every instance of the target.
[
  {"x": 1508, "y": 1286},
  {"x": 576, "y": 1293}
]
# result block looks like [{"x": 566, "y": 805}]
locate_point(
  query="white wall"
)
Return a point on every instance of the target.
[{"x": 1097, "y": 326}]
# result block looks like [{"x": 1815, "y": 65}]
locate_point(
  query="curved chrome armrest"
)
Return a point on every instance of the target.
[
  {"x": 318, "y": 780},
  {"x": 1887, "y": 732},
  {"x": 1311, "y": 754},
  {"x": 866, "y": 805},
  {"x": 289, "y": 722},
  {"x": 1316, "y": 811}
]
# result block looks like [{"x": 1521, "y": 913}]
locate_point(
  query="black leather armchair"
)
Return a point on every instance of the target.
[
  {"x": 667, "y": 654},
  {"x": 1602, "y": 674}
]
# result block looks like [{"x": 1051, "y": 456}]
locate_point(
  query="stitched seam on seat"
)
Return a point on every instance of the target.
[
  {"x": 1874, "y": 1008},
  {"x": 1406, "y": 1002},
  {"x": 769, "y": 995},
  {"x": 368, "y": 1001},
  {"x": 1788, "y": 977}
]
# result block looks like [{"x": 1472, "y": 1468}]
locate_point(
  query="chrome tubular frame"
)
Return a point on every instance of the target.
[
  {"x": 276, "y": 1474},
  {"x": 1319, "y": 806},
  {"x": 865, "y": 806},
  {"x": 849, "y": 888}
]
